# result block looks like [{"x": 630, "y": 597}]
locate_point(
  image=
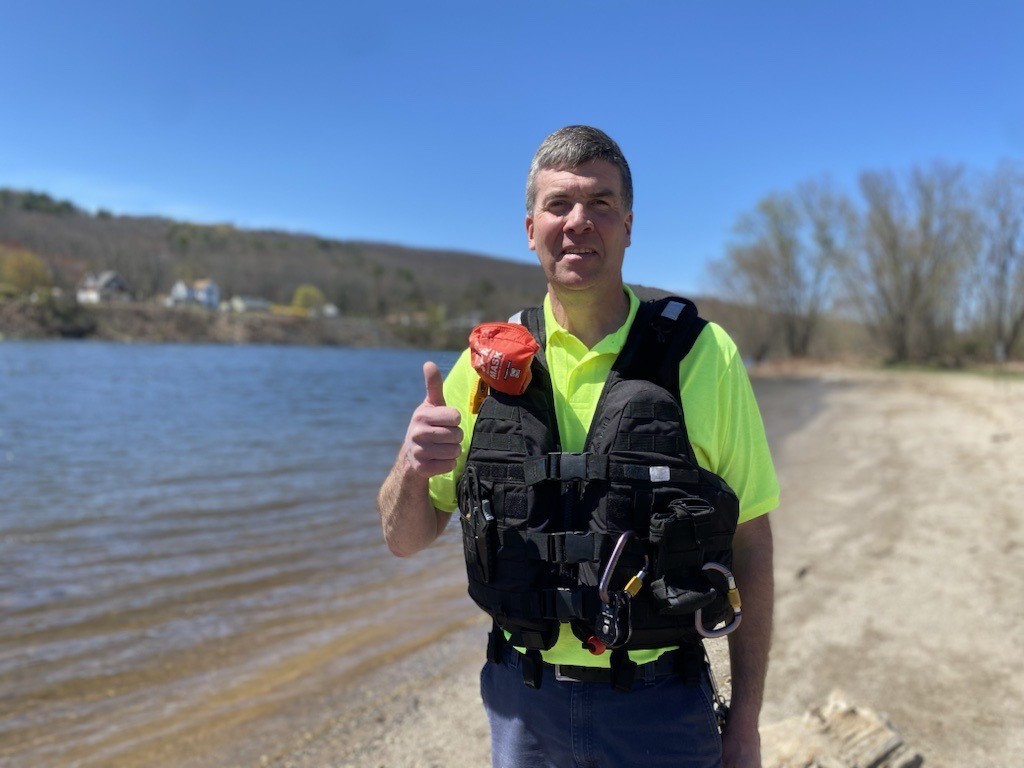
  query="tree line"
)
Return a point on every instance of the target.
[
  {"x": 362, "y": 279},
  {"x": 931, "y": 261}
]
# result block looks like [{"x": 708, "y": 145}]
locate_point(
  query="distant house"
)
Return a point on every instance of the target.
[
  {"x": 180, "y": 295},
  {"x": 207, "y": 293},
  {"x": 104, "y": 287},
  {"x": 203, "y": 293}
]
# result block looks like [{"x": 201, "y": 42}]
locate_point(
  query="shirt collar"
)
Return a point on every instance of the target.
[{"x": 610, "y": 344}]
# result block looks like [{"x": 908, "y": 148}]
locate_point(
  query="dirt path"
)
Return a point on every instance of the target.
[{"x": 898, "y": 562}]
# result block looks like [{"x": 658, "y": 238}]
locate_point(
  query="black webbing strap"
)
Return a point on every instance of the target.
[
  {"x": 649, "y": 411},
  {"x": 566, "y": 604},
  {"x": 501, "y": 411},
  {"x": 623, "y": 670},
  {"x": 586, "y": 467},
  {"x": 533, "y": 668},
  {"x": 499, "y": 472},
  {"x": 561, "y": 603},
  {"x": 496, "y": 642},
  {"x": 689, "y": 663},
  {"x": 671, "y": 444},
  {"x": 643, "y": 473},
  {"x": 509, "y": 443},
  {"x": 533, "y": 319},
  {"x": 566, "y": 548}
]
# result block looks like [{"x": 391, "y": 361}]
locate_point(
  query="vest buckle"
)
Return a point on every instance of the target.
[{"x": 570, "y": 466}]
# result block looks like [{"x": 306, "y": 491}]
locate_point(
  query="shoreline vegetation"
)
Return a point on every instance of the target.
[
  {"x": 810, "y": 275},
  {"x": 148, "y": 322}
]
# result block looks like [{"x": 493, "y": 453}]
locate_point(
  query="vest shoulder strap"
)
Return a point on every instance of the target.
[
  {"x": 533, "y": 319},
  {"x": 662, "y": 334}
]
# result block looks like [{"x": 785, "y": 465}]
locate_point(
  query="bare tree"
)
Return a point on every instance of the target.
[
  {"x": 917, "y": 241},
  {"x": 1000, "y": 275},
  {"x": 786, "y": 262},
  {"x": 948, "y": 239}
]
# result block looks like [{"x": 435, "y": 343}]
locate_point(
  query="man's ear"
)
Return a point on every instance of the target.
[
  {"x": 629, "y": 227},
  {"x": 529, "y": 233}
]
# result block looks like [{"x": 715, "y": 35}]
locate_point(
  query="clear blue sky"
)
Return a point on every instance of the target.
[{"x": 415, "y": 123}]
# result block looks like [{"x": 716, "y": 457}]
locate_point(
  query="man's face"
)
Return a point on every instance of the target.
[{"x": 578, "y": 226}]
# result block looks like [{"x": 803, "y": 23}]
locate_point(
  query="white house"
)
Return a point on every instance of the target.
[
  {"x": 204, "y": 293},
  {"x": 106, "y": 286}
]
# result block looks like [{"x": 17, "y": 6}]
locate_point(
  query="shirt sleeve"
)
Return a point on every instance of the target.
[{"x": 724, "y": 423}]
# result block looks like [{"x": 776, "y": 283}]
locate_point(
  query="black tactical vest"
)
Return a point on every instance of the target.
[{"x": 539, "y": 524}]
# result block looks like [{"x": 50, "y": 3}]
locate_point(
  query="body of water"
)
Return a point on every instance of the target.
[{"x": 186, "y": 531}]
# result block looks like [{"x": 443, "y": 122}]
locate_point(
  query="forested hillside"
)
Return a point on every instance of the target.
[
  {"x": 385, "y": 293},
  {"x": 361, "y": 279}
]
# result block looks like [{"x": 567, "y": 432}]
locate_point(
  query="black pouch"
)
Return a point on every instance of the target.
[
  {"x": 479, "y": 529},
  {"x": 677, "y": 536}
]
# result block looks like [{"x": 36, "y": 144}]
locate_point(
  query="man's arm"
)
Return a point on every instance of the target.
[
  {"x": 749, "y": 644},
  {"x": 432, "y": 445}
]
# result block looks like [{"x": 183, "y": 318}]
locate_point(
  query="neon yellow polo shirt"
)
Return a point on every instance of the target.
[{"x": 722, "y": 422}]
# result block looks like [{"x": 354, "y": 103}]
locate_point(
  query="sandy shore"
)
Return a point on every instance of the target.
[{"x": 899, "y": 574}]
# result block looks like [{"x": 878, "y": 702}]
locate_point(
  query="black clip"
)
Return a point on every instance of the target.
[
  {"x": 623, "y": 670},
  {"x": 533, "y": 669},
  {"x": 496, "y": 643}
]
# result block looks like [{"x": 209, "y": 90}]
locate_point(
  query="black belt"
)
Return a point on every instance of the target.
[{"x": 683, "y": 662}]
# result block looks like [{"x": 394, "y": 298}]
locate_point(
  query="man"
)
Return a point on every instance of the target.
[{"x": 579, "y": 220}]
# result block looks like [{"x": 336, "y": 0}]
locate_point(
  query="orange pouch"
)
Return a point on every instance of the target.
[{"x": 501, "y": 353}]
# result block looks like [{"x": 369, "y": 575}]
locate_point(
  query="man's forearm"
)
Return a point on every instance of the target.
[
  {"x": 409, "y": 519},
  {"x": 749, "y": 644},
  {"x": 432, "y": 446}
]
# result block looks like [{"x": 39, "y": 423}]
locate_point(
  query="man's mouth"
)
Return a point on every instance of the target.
[{"x": 579, "y": 252}]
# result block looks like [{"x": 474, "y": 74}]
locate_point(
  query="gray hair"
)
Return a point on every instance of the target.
[{"x": 571, "y": 147}]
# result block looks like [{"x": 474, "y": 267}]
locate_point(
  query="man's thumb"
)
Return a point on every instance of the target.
[{"x": 434, "y": 383}]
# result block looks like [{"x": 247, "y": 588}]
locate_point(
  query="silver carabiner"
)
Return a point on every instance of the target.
[
  {"x": 606, "y": 577},
  {"x": 733, "y": 595}
]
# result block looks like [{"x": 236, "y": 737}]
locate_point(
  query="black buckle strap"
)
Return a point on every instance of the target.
[{"x": 565, "y": 467}]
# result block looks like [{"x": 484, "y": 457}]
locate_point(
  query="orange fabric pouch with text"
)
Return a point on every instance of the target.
[{"x": 501, "y": 353}]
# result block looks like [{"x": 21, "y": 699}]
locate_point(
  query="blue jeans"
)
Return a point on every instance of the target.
[{"x": 660, "y": 722}]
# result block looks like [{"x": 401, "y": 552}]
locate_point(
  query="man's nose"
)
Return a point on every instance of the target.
[{"x": 577, "y": 219}]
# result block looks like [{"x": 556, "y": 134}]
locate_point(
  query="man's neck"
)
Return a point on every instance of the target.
[{"x": 588, "y": 316}]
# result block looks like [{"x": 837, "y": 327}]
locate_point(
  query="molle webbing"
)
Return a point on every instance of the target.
[
  {"x": 540, "y": 524},
  {"x": 575, "y": 467}
]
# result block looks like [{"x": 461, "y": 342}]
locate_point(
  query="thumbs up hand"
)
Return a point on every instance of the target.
[{"x": 433, "y": 441}]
